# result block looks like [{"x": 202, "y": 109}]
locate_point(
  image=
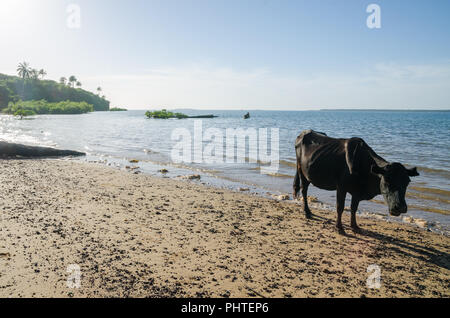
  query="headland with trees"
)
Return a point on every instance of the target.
[{"x": 29, "y": 93}]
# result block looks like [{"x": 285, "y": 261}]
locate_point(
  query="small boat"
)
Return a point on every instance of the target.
[{"x": 247, "y": 116}]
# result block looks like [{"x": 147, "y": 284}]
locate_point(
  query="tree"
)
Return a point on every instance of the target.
[
  {"x": 79, "y": 84},
  {"x": 24, "y": 70},
  {"x": 72, "y": 81},
  {"x": 99, "y": 90},
  {"x": 63, "y": 80},
  {"x": 42, "y": 73},
  {"x": 11, "y": 90},
  {"x": 24, "y": 113},
  {"x": 34, "y": 74}
]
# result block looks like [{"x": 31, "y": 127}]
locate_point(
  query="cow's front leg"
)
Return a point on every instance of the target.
[
  {"x": 340, "y": 204},
  {"x": 354, "y": 208}
]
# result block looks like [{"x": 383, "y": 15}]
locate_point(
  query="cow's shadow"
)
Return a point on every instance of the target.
[{"x": 410, "y": 249}]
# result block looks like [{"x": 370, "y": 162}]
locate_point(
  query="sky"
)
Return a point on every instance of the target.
[{"x": 238, "y": 54}]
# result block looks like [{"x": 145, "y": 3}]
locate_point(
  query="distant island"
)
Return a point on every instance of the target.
[
  {"x": 117, "y": 109},
  {"x": 30, "y": 93},
  {"x": 164, "y": 114}
]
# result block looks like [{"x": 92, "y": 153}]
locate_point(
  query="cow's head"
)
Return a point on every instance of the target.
[{"x": 395, "y": 178}]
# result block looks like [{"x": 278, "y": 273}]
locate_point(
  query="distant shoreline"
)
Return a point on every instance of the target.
[
  {"x": 387, "y": 110},
  {"x": 308, "y": 110}
]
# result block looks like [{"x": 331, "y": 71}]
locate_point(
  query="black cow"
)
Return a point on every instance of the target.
[{"x": 349, "y": 166}]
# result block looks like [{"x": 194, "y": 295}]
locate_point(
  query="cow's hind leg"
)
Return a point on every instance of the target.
[
  {"x": 304, "y": 187},
  {"x": 354, "y": 208},
  {"x": 296, "y": 185},
  {"x": 340, "y": 204}
]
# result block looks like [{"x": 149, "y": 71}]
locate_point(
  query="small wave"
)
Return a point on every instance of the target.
[
  {"x": 149, "y": 151},
  {"x": 288, "y": 163},
  {"x": 418, "y": 207},
  {"x": 440, "y": 172},
  {"x": 417, "y": 195},
  {"x": 429, "y": 209},
  {"x": 280, "y": 175},
  {"x": 431, "y": 190},
  {"x": 274, "y": 174}
]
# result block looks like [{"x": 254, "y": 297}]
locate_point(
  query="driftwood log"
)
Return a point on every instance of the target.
[{"x": 8, "y": 150}]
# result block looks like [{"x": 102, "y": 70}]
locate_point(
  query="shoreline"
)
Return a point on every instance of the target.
[
  {"x": 427, "y": 220},
  {"x": 427, "y": 196},
  {"x": 135, "y": 235}
]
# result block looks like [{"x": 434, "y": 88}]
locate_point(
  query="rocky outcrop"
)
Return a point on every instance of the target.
[{"x": 8, "y": 150}]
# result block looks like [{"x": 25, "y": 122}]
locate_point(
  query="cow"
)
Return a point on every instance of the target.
[{"x": 348, "y": 166}]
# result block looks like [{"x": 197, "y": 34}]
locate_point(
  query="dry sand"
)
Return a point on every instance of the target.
[{"x": 141, "y": 236}]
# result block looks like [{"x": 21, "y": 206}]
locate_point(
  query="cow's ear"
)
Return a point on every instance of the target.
[
  {"x": 378, "y": 170},
  {"x": 413, "y": 172}
]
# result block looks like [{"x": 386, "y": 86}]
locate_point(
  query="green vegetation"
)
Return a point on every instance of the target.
[
  {"x": 164, "y": 114},
  {"x": 30, "y": 86},
  {"x": 24, "y": 113},
  {"x": 117, "y": 109},
  {"x": 43, "y": 107}
]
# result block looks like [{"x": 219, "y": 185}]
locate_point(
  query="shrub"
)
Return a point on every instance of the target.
[
  {"x": 164, "y": 114},
  {"x": 24, "y": 113},
  {"x": 42, "y": 107}
]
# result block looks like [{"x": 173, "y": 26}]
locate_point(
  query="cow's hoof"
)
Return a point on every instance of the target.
[
  {"x": 356, "y": 229},
  {"x": 341, "y": 230}
]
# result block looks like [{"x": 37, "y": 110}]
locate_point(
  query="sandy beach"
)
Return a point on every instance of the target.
[{"x": 134, "y": 235}]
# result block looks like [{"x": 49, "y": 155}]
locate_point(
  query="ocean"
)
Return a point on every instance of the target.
[{"x": 414, "y": 138}]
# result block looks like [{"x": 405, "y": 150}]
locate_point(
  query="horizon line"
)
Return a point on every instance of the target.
[{"x": 300, "y": 110}]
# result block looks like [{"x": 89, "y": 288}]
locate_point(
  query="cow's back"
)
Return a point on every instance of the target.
[{"x": 321, "y": 158}]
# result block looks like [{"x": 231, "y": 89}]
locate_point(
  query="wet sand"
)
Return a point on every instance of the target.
[{"x": 142, "y": 236}]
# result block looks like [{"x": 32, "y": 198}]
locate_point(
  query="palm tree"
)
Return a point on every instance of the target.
[
  {"x": 24, "y": 70},
  {"x": 99, "y": 90},
  {"x": 42, "y": 73},
  {"x": 63, "y": 80},
  {"x": 34, "y": 74},
  {"x": 78, "y": 84},
  {"x": 72, "y": 81}
]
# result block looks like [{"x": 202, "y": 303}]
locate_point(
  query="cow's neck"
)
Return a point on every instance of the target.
[
  {"x": 379, "y": 161},
  {"x": 373, "y": 184},
  {"x": 370, "y": 187}
]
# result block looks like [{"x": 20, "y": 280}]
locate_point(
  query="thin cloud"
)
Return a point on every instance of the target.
[{"x": 386, "y": 85}]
